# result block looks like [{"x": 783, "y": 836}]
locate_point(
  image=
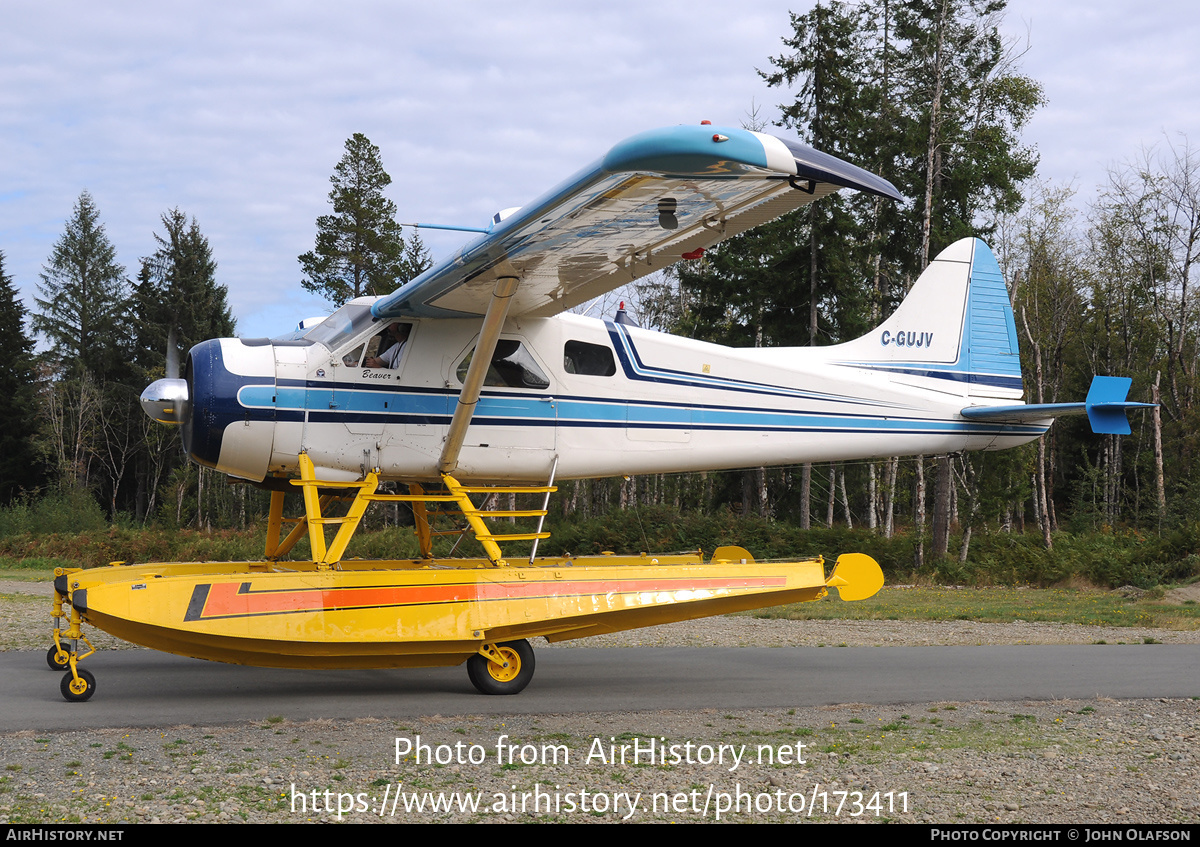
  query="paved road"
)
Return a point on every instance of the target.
[{"x": 146, "y": 688}]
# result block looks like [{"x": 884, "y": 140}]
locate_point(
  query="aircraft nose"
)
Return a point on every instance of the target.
[{"x": 166, "y": 401}]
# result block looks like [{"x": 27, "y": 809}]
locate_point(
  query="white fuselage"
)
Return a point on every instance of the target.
[{"x": 616, "y": 400}]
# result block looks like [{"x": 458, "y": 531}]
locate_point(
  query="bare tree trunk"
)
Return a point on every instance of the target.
[
  {"x": 832, "y": 494},
  {"x": 1112, "y": 480},
  {"x": 971, "y": 511},
  {"x": 941, "y": 508},
  {"x": 889, "y": 512},
  {"x": 954, "y": 518},
  {"x": 1041, "y": 498},
  {"x": 806, "y": 496},
  {"x": 1160, "y": 483},
  {"x": 845, "y": 499},
  {"x": 1043, "y": 512},
  {"x": 872, "y": 498},
  {"x": 919, "y": 513},
  {"x": 935, "y": 122}
]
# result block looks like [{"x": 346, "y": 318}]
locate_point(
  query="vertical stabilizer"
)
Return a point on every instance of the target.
[{"x": 954, "y": 332}]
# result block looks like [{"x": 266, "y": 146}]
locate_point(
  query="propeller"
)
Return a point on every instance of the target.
[{"x": 166, "y": 400}]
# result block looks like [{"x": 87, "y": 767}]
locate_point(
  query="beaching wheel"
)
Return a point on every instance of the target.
[
  {"x": 78, "y": 690},
  {"x": 58, "y": 660},
  {"x": 490, "y": 678}
]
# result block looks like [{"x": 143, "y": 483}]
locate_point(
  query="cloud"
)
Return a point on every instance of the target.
[{"x": 237, "y": 113}]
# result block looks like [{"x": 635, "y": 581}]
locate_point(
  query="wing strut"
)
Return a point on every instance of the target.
[{"x": 481, "y": 360}]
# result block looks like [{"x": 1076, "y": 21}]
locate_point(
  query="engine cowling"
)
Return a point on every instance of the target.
[{"x": 218, "y": 431}]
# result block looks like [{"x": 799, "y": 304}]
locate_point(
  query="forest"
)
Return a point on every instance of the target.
[{"x": 926, "y": 93}]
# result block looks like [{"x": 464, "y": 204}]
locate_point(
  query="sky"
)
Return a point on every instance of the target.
[{"x": 236, "y": 113}]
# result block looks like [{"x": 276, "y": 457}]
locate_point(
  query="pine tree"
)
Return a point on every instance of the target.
[
  {"x": 922, "y": 92},
  {"x": 965, "y": 106},
  {"x": 416, "y": 259},
  {"x": 20, "y": 467},
  {"x": 798, "y": 280},
  {"x": 360, "y": 248},
  {"x": 177, "y": 289},
  {"x": 828, "y": 112},
  {"x": 84, "y": 295}
]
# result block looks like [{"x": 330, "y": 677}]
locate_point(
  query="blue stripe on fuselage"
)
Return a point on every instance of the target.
[{"x": 340, "y": 403}]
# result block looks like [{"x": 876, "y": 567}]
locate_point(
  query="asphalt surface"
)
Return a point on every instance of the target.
[{"x": 147, "y": 688}]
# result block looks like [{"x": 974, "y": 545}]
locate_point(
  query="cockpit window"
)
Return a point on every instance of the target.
[
  {"x": 512, "y": 366},
  {"x": 340, "y": 327},
  {"x": 579, "y": 357}
]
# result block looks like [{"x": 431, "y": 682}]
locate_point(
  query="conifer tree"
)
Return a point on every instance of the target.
[
  {"x": 360, "y": 248},
  {"x": 20, "y": 468},
  {"x": 923, "y": 92},
  {"x": 966, "y": 105},
  {"x": 82, "y": 307},
  {"x": 177, "y": 289},
  {"x": 798, "y": 280}
]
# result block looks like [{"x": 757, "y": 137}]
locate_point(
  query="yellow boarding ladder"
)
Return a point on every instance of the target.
[{"x": 328, "y": 556}]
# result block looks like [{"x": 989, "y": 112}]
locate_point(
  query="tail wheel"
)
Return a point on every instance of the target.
[
  {"x": 490, "y": 678},
  {"x": 78, "y": 689},
  {"x": 58, "y": 660}
]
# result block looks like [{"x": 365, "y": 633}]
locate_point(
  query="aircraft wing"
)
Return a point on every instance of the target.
[{"x": 651, "y": 199}]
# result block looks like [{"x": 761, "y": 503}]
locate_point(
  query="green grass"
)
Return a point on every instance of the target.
[
  {"x": 32, "y": 567},
  {"x": 1047, "y": 605},
  {"x": 1107, "y": 557}
]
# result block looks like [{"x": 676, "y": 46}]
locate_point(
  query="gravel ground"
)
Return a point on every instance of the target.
[{"x": 1097, "y": 761}]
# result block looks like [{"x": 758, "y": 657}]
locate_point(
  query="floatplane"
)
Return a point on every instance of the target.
[{"x": 474, "y": 379}]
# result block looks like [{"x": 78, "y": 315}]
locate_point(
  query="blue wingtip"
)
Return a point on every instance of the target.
[{"x": 1106, "y": 405}]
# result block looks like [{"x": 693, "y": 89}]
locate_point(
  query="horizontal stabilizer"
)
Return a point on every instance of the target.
[{"x": 1105, "y": 407}]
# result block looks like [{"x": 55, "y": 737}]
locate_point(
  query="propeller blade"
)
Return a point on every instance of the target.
[{"x": 172, "y": 354}]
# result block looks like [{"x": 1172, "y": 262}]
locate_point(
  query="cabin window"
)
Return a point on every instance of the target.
[
  {"x": 579, "y": 357},
  {"x": 512, "y": 367},
  {"x": 380, "y": 350},
  {"x": 355, "y": 356}
]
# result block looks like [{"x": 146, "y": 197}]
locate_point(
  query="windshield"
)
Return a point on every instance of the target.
[{"x": 342, "y": 326}]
